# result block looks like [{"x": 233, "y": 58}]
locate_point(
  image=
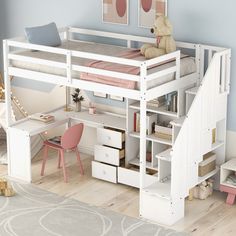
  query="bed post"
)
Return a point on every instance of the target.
[
  {"x": 7, "y": 84},
  {"x": 7, "y": 88},
  {"x": 143, "y": 107}
]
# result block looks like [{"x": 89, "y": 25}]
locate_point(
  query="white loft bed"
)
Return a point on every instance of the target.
[{"x": 205, "y": 86}]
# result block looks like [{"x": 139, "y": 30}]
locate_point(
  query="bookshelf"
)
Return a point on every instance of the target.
[{"x": 158, "y": 110}]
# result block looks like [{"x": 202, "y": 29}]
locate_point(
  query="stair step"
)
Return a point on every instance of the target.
[
  {"x": 192, "y": 91},
  {"x": 165, "y": 155}
]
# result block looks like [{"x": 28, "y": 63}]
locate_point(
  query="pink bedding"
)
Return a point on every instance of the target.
[
  {"x": 132, "y": 70},
  {"x": 132, "y": 54}
]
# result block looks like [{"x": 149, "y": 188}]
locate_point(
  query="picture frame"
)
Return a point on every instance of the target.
[
  {"x": 100, "y": 95},
  {"x": 115, "y": 12},
  {"x": 117, "y": 98},
  {"x": 148, "y": 9}
]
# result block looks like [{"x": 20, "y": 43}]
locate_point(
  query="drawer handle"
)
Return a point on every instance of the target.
[
  {"x": 104, "y": 172},
  {"x": 106, "y": 155},
  {"x": 109, "y": 138}
]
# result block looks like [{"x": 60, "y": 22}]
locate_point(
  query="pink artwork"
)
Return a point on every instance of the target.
[
  {"x": 148, "y": 9},
  {"x": 115, "y": 11},
  {"x": 146, "y": 5}
]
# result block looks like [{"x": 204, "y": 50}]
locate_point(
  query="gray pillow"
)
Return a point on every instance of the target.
[{"x": 46, "y": 35}]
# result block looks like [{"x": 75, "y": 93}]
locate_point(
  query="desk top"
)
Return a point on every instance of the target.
[{"x": 33, "y": 127}]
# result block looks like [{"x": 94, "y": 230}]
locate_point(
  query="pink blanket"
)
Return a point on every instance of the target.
[{"x": 132, "y": 54}]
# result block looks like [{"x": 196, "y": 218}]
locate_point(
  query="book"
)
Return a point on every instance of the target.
[
  {"x": 151, "y": 119},
  {"x": 42, "y": 117},
  {"x": 157, "y": 102},
  {"x": 135, "y": 122},
  {"x": 55, "y": 140}
]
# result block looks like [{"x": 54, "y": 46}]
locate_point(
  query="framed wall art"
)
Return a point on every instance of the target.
[
  {"x": 148, "y": 9},
  {"x": 115, "y": 11}
]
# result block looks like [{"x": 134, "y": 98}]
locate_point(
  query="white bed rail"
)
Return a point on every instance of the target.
[{"x": 69, "y": 67}]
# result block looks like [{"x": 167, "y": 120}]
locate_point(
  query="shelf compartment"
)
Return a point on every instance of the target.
[
  {"x": 135, "y": 162},
  {"x": 165, "y": 155},
  {"x": 162, "y": 190},
  {"x": 192, "y": 91},
  {"x": 152, "y": 138},
  {"x": 178, "y": 122},
  {"x": 159, "y": 110},
  {"x": 216, "y": 145},
  {"x": 209, "y": 175}
]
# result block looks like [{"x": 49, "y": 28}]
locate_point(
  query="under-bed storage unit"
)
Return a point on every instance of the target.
[
  {"x": 109, "y": 153},
  {"x": 201, "y": 82}
]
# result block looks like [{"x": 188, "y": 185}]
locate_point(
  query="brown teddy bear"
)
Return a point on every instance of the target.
[
  {"x": 5, "y": 188},
  {"x": 165, "y": 42}
]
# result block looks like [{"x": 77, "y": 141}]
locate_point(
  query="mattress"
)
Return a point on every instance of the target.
[{"x": 187, "y": 64}]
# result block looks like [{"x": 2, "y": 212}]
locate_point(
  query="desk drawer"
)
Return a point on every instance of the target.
[
  {"x": 104, "y": 172},
  {"x": 131, "y": 177},
  {"x": 110, "y": 137},
  {"x": 108, "y": 155}
]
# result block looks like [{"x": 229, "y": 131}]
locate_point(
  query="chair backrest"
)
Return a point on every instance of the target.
[{"x": 72, "y": 136}]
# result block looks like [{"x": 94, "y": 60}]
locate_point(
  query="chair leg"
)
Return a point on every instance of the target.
[
  {"x": 45, "y": 157},
  {"x": 79, "y": 160},
  {"x": 59, "y": 160},
  {"x": 230, "y": 199},
  {"x": 64, "y": 166}
]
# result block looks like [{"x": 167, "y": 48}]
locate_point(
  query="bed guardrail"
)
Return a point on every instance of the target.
[{"x": 69, "y": 66}]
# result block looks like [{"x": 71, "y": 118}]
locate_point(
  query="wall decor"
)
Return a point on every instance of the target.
[
  {"x": 101, "y": 95},
  {"x": 115, "y": 11},
  {"x": 148, "y": 9},
  {"x": 117, "y": 98}
]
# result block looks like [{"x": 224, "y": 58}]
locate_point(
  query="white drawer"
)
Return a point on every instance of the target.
[
  {"x": 104, "y": 172},
  {"x": 111, "y": 138},
  {"x": 131, "y": 177},
  {"x": 108, "y": 155}
]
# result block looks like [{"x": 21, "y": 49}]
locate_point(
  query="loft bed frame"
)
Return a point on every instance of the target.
[{"x": 212, "y": 68}]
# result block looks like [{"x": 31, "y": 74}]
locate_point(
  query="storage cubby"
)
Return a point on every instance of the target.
[
  {"x": 227, "y": 169},
  {"x": 190, "y": 95}
]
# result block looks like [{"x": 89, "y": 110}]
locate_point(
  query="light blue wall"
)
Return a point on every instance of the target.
[{"x": 202, "y": 21}]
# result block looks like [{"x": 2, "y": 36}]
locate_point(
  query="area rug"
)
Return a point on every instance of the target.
[{"x": 35, "y": 212}]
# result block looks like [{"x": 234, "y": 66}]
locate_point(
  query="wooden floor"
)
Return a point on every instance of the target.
[{"x": 203, "y": 217}]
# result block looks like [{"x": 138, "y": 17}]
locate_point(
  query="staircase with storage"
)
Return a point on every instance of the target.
[{"x": 201, "y": 130}]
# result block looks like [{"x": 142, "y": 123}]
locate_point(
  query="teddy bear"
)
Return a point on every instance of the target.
[
  {"x": 203, "y": 190},
  {"x": 5, "y": 188},
  {"x": 165, "y": 42}
]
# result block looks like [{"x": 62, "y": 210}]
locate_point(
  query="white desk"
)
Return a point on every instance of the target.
[{"x": 19, "y": 136}]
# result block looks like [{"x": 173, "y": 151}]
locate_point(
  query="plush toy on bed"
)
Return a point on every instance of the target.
[{"x": 165, "y": 42}]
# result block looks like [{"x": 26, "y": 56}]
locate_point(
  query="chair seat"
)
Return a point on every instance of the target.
[{"x": 53, "y": 145}]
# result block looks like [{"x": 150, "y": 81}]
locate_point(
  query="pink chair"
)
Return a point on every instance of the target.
[{"x": 69, "y": 141}]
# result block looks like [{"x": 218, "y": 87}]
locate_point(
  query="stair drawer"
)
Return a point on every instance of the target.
[
  {"x": 104, "y": 172},
  {"x": 131, "y": 177},
  {"x": 110, "y": 137},
  {"x": 108, "y": 155}
]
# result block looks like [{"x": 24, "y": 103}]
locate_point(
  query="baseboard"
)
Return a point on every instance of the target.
[{"x": 86, "y": 150}]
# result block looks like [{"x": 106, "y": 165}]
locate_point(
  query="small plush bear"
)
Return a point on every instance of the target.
[
  {"x": 165, "y": 42},
  {"x": 6, "y": 188}
]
